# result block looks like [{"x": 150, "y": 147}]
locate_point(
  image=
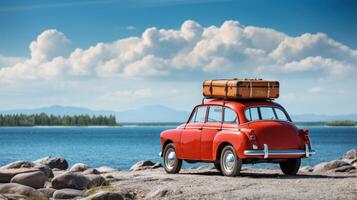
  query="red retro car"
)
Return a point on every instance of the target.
[{"x": 230, "y": 133}]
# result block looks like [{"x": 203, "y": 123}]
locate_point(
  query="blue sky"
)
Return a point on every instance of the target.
[{"x": 63, "y": 52}]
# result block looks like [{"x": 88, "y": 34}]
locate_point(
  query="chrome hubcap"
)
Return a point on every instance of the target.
[
  {"x": 229, "y": 161},
  {"x": 170, "y": 158}
]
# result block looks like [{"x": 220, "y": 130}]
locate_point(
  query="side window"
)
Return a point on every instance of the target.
[
  {"x": 230, "y": 116},
  {"x": 252, "y": 114},
  {"x": 267, "y": 113},
  {"x": 199, "y": 115},
  {"x": 280, "y": 114},
  {"x": 215, "y": 114}
]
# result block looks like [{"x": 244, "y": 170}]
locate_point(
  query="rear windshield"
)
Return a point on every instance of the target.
[{"x": 265, "y": 113}]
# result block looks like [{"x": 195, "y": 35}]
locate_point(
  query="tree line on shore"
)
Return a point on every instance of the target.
[{"x": 54, "y": 120}]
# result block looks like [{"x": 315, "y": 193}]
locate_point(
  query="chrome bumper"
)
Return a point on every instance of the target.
[{"x": 266, "y": 152}]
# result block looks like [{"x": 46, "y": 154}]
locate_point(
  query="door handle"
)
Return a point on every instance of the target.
[
  {"x": 200, "y": 128},
  {"x": 218, "y": 129}
]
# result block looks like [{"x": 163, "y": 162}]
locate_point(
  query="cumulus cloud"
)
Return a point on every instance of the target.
[{"x": 226, "y": 49}]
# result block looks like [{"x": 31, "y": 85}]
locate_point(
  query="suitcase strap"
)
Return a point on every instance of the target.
[
  {"x": 251, "y": 89},
  {"x": 268, "y": 95}
]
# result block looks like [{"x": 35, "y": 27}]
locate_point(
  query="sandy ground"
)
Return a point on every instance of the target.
[{"x": 252, "y": 184}]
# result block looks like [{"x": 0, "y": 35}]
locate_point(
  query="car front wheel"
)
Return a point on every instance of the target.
[
  {"x": 230, "y": 163},
  {"x": 172, "y": 164},
  {"x": 291, "y": 166}
]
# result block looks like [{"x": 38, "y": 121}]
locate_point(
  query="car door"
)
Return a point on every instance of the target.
[
  {"x": 191, "y": 135},
  {"x": 212, "y": 126}
]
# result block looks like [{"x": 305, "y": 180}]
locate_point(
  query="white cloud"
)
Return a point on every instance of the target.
[
  {"x": 228, "y": 49},
  {"x": 315, "y": 89},
  {"x": 130, "y": 28}
]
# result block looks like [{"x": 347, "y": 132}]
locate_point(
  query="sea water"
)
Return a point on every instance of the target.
[{"x": 121, "y": 147}]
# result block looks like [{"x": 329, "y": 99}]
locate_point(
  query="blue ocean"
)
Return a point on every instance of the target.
[{"x": 121, "y": 147}]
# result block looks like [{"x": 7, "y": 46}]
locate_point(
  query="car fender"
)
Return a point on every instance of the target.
[
  {"x": 237, "y": 139},
  {"x": 173, "y": 135}
]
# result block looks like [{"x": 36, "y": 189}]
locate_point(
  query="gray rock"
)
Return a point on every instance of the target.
[
  {"x": 54, "y": 162},
  {"x": 91, "y": 171},
  {"x": 351, "y": 154},
  {"x": 67, "y": 193},
  {"x": 328, "y": 166},
  {"x": 33, "y": 179},
  {"x": 142, "y": 165},
  {"x": 157, "y": 165},
  {"x": 105, "y": 196},
  {"x": 345, "y": 168},
  {"x": 13, "y": 197},
  {"x": 158, "y": 193},
  {"x": 105, "y": 169},
  {"x": 7, "y": 174},
  {"x": 79, "y": 167},
  {"x": 96, "y": 180},
  {"x": 19, "y": 164},
  {"x": 70, "y": 180},
  {"x": 306, "y": 169},
  {"x": 48, "y": 192},
  {"x": 15, "y": 188},
  {"x": 45, "y": 169}
]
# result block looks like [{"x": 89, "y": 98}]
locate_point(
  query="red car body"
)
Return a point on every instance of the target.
[{"x": 252, "y": 137}]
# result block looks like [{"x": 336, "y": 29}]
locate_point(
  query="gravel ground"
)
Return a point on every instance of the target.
[{"x": 207, "y": 183}]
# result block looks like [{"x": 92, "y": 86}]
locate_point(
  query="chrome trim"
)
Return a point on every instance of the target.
[{"x": 266, "y": 152}]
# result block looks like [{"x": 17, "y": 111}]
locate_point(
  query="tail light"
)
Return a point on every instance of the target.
[
  {"x": 251, "y": 136},
  {"x": 304, "y": 133}
]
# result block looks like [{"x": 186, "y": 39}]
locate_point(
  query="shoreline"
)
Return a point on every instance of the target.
[{"x": 51, "y": 178}]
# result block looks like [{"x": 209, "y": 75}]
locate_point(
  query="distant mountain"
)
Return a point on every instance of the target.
[
  {"x": 153, "y": 113},
  {"x": 322, "y": 118}
]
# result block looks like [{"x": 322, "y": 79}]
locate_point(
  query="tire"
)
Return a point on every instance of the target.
[
  {"x": 172, "y": 165},
  {"x": 230, "y": 163},
  {"x": 291, "y": 166},
  {"x": 218, "y": 167}
]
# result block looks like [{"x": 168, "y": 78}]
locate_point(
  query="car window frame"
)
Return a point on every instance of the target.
[
  {"x": 260, "y": 116},
  {"x": 194, "y": 111},
  {"x": 237, "y": 116},
  {"x": 208, "y": 111}
]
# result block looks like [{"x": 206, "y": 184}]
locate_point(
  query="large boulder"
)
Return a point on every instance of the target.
[
  {"x": 330, "y": 166},
  {"x": 105, "y": 196},
  {"x": 45, "y": 169},
  {"x": 350, "y": 157},
  {"x": 35, "y": 179},
  {"x": 91, "y": 171},
  {"x": 54, "y": 162},
  {"x": 142, "y": 165},
  {"x": 70, "y": 180},
  {"x": 79, "y": 167},
  {"x": 48, "y": 192},
  {"x": 351, "y": 154},
  {"x": 67, "y": 193},
  {"x": 19, "y": 164},
  {"x": 96, "y": 180},
  {"x": 105, "y": 169},
  {"x": 15, "y": 188},
  {"x": 7, "y": 174}
]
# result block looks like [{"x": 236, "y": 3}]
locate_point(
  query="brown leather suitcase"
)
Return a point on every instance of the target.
[{"x": 241, "y": 89}]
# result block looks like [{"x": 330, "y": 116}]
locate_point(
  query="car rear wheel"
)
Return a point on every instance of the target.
[
  {"x": 291, "y": 166},
  {"x": 230, "y": 163},
  {"x": 172, "y": 164}
]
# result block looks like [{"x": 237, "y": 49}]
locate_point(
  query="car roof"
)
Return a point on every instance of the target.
[{"x": 241, "y": 104}]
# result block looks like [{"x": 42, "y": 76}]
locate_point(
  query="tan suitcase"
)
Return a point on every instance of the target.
[{"x": 241, "y": 89}]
